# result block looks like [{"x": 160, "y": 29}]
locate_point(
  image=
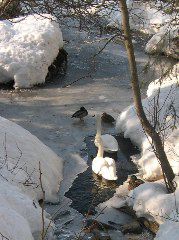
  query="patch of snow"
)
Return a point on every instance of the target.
[
  {"x": 165, "y": 41},
  {"x": 13, "y": 225},
  {"x": 28, "y": 46},
  {"x": 151, "y": 199},
  {"x": 144, "y": 16},
  {"x": 20, "y": 215},
  {"x": 167, "y": 230},
  {"x": 21, "y": 153},
  {"x": 129, "y": 124}
]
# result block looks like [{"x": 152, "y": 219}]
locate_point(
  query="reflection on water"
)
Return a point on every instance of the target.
[{"x": 88, "y": 190}]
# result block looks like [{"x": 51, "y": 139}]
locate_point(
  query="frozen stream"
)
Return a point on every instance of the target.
[{"x": 46, "y": 111}]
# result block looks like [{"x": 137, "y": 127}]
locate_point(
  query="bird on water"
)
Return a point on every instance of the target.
[
  {"x": 134, "y": 182},
  {"x": 80, "y": 113},
  {"x": 107, "y": 118}
]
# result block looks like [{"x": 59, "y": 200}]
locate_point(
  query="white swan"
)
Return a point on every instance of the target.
[
  {"x": 104, "y": 167},
  {"x": 110, "y": 144}
]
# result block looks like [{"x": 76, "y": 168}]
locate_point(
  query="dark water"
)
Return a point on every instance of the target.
[{"x": 88, "y": 190}]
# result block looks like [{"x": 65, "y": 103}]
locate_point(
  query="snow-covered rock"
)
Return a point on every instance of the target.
[
  {"x": 129, "y": 124},
  {"x": 28, "y": 46},
  {"x": 150, "y": 200},
  {"x": 165, "y": 41},
  {"x": 21, "y": 153}
]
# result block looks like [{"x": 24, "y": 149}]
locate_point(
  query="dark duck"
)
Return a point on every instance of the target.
[
  {"x": 107, "y": 118},
  {"x": 80, "y": 113},
  {"x": 134, "y": 182}
]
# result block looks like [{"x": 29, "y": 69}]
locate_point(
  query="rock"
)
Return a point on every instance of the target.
[
  {"x": 152, "y": 226},
  {"x": 62, "y": 214},
  {"x": 91, "y": 224},
  {"x": 100, "y": 235},
  {"x": 128, "y": 210},
  {"x": 133, "y": 227},
  {"x": 133, "y": 236}
]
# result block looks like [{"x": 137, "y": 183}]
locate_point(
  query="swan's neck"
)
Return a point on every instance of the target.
[
  {"x": 100, "y": 150},
  {"x": 98, "y": 125},
  {"x": 98, "y": 136}
]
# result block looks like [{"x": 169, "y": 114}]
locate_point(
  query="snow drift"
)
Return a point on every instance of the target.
[
  {"x": 150, "y": 199},
  {"x": 20, "y": 215},
  {"x": 20, "y": 154},
  {"x": 165, "y": 41},
  {"x": 28, "y": 46},
  {"x": 167, "y": 94},
  {"x": 144, "y": 16}
]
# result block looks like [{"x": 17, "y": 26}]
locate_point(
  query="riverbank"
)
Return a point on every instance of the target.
[{"x": 101, "y": 85}]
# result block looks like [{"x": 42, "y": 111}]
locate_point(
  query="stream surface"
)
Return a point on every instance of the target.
[
  {"x": 101, "y": 85},
  {"x": 93, "y": 190}
]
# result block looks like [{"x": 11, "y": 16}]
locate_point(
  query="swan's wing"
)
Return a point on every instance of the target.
[
  {"x": 108, "y": 171},
  {"x": 97, "y": 164},
  {"x": 110, "y": 143}
]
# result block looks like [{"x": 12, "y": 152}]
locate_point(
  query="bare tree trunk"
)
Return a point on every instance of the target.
[{"x": 148, "y": 128}]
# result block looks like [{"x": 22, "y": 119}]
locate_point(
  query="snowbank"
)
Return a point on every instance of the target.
[
  {"x": 20, "y": 215},
  {"x": 20, "y": 154},
  {"x": 150, "y": 199},
  {"x": 28, "y": 46},
  {"x": 144, "y": 16},
  {"x": 147, "y": 18},
  {"x": 129, "y": 123},
  {"x": 165, "y": 41}
]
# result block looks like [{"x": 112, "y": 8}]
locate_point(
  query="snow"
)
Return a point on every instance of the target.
[
  {"x": 129, "y": 123},
  {"x": 28, "y": 46},
  {"x": 13, "y": 226},
  {"x": 147, "y": 18},
  {"x": 20, "y": 215},
  {"x": 168, "y": 229},
  {"x": 144, "y": 16},
  {"x": 21, "y": 153},
  {"x": 165, "y": 41},
  {"x": 150, "y": 199}
]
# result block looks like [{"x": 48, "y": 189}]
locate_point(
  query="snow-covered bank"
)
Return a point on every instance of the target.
[
  {"x": 165, "y": 41},
  {"x": 20, "y": 215},
  {"x": 150, "y": 199},
  {"x": 20, "y": 154},
  {"x": 144, "y": 16},
  {"x": 28, "y": 46},
  {"x": 129, "y": 123},
  {"x": 148, "y": 18}
]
